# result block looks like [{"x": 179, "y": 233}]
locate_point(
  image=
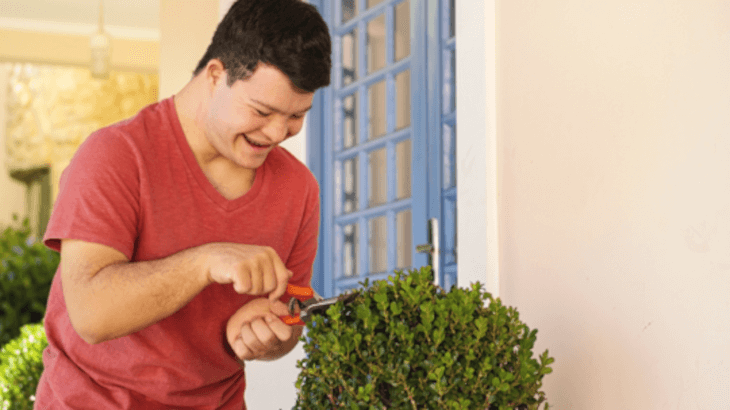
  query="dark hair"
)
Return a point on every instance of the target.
[{"x": 288, "y": 34}]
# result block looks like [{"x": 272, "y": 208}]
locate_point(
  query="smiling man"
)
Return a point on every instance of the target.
[{"x": 180, "y": 228}]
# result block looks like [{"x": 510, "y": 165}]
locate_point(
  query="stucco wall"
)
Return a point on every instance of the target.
[{"x": 614, "y": 178}]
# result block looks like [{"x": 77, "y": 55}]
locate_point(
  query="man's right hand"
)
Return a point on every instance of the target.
[{"x": 251, "y": 269}]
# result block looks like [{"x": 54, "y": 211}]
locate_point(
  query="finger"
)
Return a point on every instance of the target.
[
  {"x": 251, "y": 340},
  {"x": 282, "y": 279},
  {"x": 242, "y": 281},
  {"x": 282, "y": 275},
  {"x": 257, "y": 283},
  {"x": 269, "y": 277},
  {"x": 241, "y": 351},
  {"x": 264, "y": 334},
  {"x": 278, "y": 308},
  {"x": 281, "y": 330}
]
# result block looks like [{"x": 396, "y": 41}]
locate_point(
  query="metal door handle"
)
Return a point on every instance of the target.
[{"x": 433, "y": 249}]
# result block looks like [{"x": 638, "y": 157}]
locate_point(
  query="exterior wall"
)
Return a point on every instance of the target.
[
  {"x": 12, "y": 193},
  {"x": 614, "y": 139}
]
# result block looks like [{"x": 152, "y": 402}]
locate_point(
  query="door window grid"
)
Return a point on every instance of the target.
[
  {"x": 371, "y": 136},
  {"x": 448, "y": 141}
]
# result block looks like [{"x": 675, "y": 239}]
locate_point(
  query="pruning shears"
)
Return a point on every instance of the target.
[{"x": 305, "y": 302}]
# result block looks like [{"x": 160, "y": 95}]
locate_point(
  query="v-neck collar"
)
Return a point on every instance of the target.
[{"x": 197, "y": 171}]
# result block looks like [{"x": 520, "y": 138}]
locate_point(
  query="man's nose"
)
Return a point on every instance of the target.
[{"x": 276, "y": 130}]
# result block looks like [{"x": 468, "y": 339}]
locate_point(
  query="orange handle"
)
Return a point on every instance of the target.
[
  {"x": 292, "y": 320},
  {"x": 300, "y": 292}
]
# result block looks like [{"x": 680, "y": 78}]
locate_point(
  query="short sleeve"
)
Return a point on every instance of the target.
[{"x": 98, "y": 198}]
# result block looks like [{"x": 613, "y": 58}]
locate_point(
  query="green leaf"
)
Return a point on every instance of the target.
[{"x": 395, "y": 308}]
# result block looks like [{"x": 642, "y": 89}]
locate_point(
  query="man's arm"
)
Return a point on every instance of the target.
[{"x": 109, "y": 297}]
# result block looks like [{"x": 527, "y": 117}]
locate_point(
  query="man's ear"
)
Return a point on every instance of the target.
[{"x": 215, "y": 72}]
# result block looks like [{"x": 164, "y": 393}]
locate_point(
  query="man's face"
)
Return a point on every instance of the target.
[{"x": 248, "y": 119}]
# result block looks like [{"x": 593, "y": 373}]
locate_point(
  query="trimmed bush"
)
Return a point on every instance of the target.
[
  {"x": 21, "y": 365},
  {"x": 405, "y": 343},
  {"x": 26, "y": 271}
]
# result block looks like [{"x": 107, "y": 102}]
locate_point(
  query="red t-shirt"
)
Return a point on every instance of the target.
[{"x": 136, "y": 186}]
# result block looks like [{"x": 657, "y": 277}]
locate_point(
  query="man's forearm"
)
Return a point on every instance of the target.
[{"x": 125, "y": 297}]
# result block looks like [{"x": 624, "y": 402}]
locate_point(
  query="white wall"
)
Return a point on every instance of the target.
[
  {"x": 614, "y": 178},
  {"x": 186, "y": 28}
]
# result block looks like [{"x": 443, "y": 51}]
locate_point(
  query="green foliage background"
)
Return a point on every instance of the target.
[
  {"x": 407, "y": 344},
  {"x": 21, "y": 365},
  {"x": 26, "y": 271}
]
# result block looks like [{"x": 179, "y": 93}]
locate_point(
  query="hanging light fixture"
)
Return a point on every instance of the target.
[{"x": 100, "y": 48}]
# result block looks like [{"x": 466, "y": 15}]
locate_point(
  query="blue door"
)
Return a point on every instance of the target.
[{"x": 382, "y": 142}]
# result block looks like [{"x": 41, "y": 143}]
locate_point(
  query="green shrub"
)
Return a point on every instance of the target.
[
  {"x": 407, "y": 344},
  {"x": 21, "y": 365},
  {"x": 26, "y": 271}
]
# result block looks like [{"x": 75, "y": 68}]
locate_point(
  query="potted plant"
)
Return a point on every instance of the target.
[{"x": 405, "y": 343}]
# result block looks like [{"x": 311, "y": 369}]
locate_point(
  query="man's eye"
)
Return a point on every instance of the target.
[{"x": 263, "y": 114}]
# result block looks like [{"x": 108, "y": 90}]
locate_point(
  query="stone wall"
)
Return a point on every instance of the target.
[{"x": 50, "y": 110}]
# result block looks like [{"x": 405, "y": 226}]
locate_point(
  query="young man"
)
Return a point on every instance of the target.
[{"x": 179, "y": 229}]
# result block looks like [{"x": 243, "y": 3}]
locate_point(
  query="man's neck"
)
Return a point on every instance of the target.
[
  {"x": 190, "y": 106},
  {"x": 229, "y": 179}
]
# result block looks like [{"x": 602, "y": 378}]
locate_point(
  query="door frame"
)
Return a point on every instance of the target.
[{"x": 476, "y": 153}]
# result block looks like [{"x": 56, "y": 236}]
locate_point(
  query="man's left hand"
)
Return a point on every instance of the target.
[{"x": 255, "y": 331}]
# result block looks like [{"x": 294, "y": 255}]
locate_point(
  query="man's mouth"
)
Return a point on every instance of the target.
[{"x": 254, "y": 143}]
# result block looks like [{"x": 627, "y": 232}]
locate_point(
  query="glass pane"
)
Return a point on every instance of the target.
[
  {"x": 402, "y": 30},
  {"x": 449, "y": 87},
  {"x": 449, "y": 246},
  {"x": 452, "y": 82},
  {"x": 376, "y": 44},
  {"x": 376, "y": 110},
  {"x": 403, "y": 241},
  {"x": 350, "y": 260},
  {"x": 349, "y": 121},
  {"x": 378, "y": 178},
  {"x": 350, "y": 185},
  {"x": 349, "y": 57},
  {"x": 349, "y": 9},
  {"x": 373, "y": 3},
  {"x": 452, "y": 18},
  {"x": 403, "y": 99},
  {"x": 449, "y": 156},
  {"x": 403, "y": 169},
  {"x": 378, "y": 244}
]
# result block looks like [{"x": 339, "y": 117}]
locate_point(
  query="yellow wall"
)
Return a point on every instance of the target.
[
  {"x": 12, "y": 193},
  {"x": 613, "y": 123}
]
